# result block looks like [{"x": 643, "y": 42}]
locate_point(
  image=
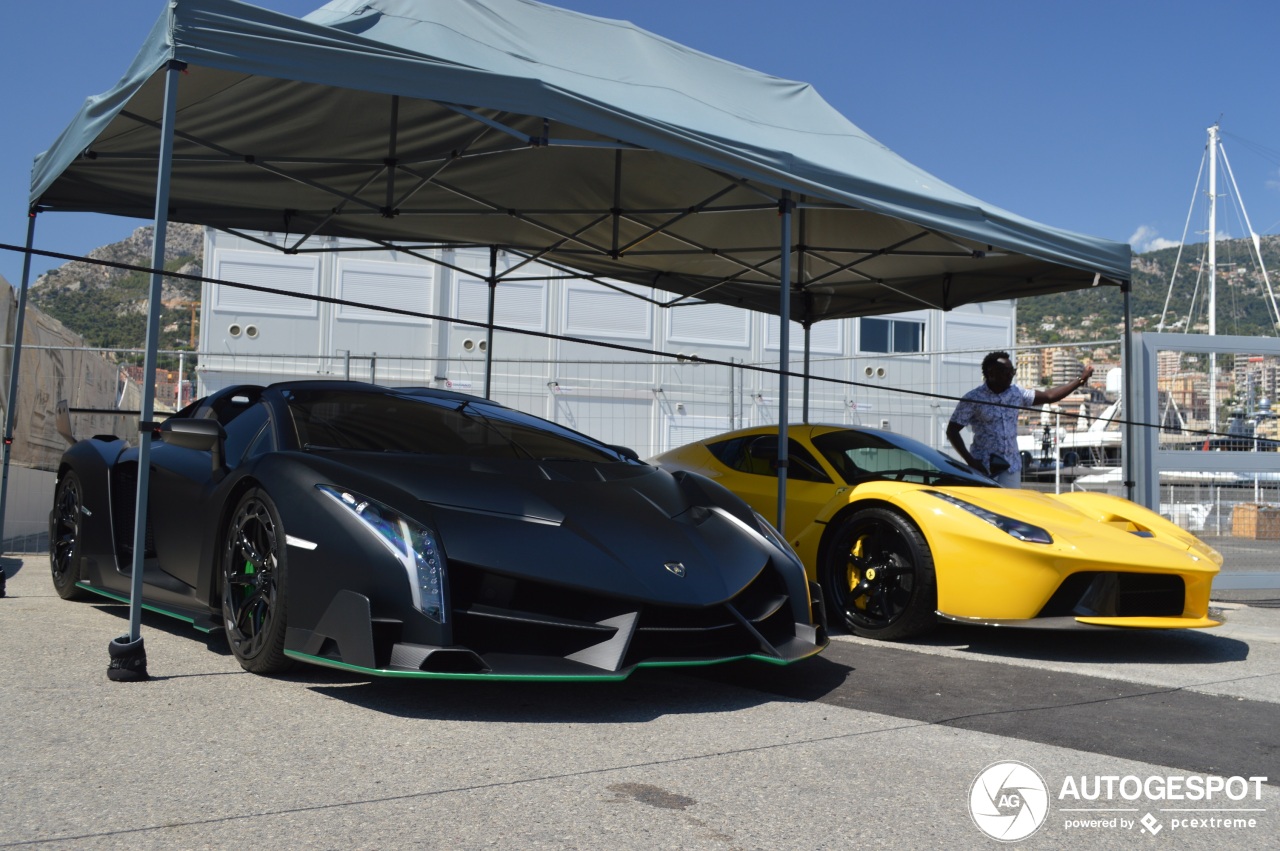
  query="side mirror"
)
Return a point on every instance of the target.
[
  {"x": 201, "y": 435},
  {"x": 625, "y": 451}
]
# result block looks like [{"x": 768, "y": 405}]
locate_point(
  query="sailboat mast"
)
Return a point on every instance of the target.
[{"x": 1213, "y": 271}]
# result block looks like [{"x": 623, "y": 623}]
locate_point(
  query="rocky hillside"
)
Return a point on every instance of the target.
[
  {"x": 108, "y": 306},
  {"x": 1097, "y": 314}
]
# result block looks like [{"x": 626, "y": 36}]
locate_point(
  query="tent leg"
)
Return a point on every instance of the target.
[
  {"x": 15, "y": 362},
  {"x": 808, "y": 340},
  {"x": 128, "y": 655},
  {"x": 1129, "y": 377},
  {"x": 802, "y": 268},
  {"x": 488, "y": 346},
  {"x": 785, "y": 206}
]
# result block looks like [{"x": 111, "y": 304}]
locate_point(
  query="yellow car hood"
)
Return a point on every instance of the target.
[{"x": 1090, "y": 519}]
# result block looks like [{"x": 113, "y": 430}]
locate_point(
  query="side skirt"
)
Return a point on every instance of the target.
[{"x": 203, "y": 621}]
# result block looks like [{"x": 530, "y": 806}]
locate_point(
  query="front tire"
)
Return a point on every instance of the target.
[
  {"x": 878, "y": 575},
  {"x": 65, "y": 537},
  {"x": 254, "y": 583}
]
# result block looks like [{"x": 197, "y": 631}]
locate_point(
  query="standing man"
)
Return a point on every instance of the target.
[{"x": 991, "y": 410}]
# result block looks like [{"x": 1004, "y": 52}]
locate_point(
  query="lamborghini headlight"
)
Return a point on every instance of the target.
[
  {"x": 773, "y": 536},
  {"x": 412, "y": 544},
  {"x": 1017, "y": 528}
]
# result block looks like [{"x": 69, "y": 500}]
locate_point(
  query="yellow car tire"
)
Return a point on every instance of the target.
[{"x": 878, "y": 575}]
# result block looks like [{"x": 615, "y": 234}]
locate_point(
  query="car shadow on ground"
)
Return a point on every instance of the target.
[
  {"x": 215, "y": 641},
  {"x": 647, "y": 694},
  {"x": 1094, "y": 645},
  {"x": 10, "y": 566}
]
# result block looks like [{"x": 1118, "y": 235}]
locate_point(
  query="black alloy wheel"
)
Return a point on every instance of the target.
[
  {"x": 64, "y": 537},
  {"x": 253, "y": 585},
  {"x": 879, "y": 577}
]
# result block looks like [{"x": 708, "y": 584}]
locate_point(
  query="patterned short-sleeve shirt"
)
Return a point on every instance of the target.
[{"x": 994, "y": 425}]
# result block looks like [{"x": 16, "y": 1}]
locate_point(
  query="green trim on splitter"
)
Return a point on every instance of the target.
[
  {"x": 433, "y": 675},
  {"x": 554, "y": 678}
]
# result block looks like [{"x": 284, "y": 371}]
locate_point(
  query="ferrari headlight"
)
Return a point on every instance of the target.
[
  {"x": 1017, "y": 528},
  {"x": 413, "y": 545}
]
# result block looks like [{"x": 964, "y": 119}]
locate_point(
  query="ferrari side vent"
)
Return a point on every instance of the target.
[{"x": 1117, "y": 594}]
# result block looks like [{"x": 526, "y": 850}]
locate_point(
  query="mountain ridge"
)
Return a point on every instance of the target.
[{"x": 108, "y": 306}]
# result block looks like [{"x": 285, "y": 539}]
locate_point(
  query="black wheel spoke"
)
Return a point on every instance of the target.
[
  {"x": 240, "y": 580},
  {"x": 881, "y": 599},
  {"x": 248, "y": 551},
  {"x": 874, "y": 574},
  {"x": 252, "y": 595},
  {"x": 64, "y": 538}
]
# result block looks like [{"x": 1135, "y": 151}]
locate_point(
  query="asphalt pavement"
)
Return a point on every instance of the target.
[{"x": 1103, "y": 739}]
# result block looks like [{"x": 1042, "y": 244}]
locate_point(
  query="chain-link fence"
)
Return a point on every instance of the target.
[{"x": 654, "y": 402}]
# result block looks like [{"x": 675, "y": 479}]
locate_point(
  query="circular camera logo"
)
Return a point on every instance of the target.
[{"x": 1008, "y": 801}]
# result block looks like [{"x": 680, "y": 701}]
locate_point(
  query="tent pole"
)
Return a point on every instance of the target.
[
  {"x": 802, "y": 263},
  {"x": 785, "y": 206},
  {"x": 128, "y": 657},
  {"x": 15, "y": 362},
  {"x": 493, "y": 297},
  {"x": 1128, "y": 382},
  {"x": 808, "y": 335}
]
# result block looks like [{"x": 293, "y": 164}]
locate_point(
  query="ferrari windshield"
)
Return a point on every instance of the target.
[
  {"x": 392, "y": 422},
  {"x": 861, "y": 455}
]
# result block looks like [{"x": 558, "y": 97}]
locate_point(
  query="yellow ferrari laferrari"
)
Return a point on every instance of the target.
[{"x": 900, "y": 534}]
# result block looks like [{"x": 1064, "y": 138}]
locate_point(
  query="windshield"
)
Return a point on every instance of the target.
[
  {"x": 862, "y": 455},
  {"x": 387, "y": 422}
]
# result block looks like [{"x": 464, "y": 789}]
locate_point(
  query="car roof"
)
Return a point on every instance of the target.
[{"x": 803, "y": 429}]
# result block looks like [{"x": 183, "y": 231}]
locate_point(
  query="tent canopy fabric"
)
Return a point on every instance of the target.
[{"x": 590, "y": 144}]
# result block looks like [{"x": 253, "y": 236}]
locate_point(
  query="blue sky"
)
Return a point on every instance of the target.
[{"x": 1089, "y": 116}]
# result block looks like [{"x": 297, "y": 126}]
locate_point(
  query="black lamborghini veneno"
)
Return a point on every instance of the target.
[{"x": 417, "y": 532}]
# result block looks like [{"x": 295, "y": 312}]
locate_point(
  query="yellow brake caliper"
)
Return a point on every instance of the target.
[{"x": 854, "y": 577}]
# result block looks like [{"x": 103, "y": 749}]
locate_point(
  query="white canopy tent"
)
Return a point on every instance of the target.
[{"x": 587, "y": 144}]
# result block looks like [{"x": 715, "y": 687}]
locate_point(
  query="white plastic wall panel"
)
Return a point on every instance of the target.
[
  {"x": 401, "y": 341},
  {"x": 967, "y": 341},
  {"x": 291, "y": 273},
  {"x": 516, "y": 304},
  {"x": 625, "y": 422},
  {"x": 398, "y": 286},
  {"x": 680, "y": 430},
  {"x": 589, "y": 365},
  {"x": 824, "y": 337},
  {"x": 597, "y": 312},
  {"x": 709, "y": 324}
]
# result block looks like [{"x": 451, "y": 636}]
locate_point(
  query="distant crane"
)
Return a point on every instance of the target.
[{"x": 194, "y": 306}]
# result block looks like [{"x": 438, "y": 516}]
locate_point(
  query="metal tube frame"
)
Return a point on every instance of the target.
[
  {"x": 145, "y": 425},
  {"x": 15, "y": 362}
]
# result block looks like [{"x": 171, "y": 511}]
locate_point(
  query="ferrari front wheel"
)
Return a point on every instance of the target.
[
  {"x": 254, "y": 574},
  {"x": 878, "y": 575},
  {"x": 64, "y": 537}
]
